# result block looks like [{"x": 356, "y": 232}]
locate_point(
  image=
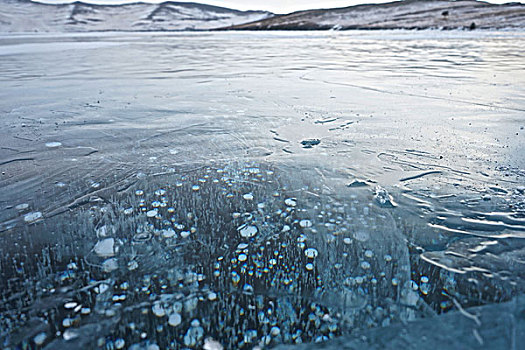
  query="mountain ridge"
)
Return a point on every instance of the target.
[
  {"x": 408, "y": 14},
  {"x": 79, "y": 16},
  {"x": 30, "y": 16}
]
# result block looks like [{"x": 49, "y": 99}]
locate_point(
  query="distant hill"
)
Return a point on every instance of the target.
[
  {"x": 29, "y": 16},
  {"x": 410, "y": 14}
]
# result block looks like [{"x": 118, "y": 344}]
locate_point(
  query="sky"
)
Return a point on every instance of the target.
[{"x": 275, "y": 6}]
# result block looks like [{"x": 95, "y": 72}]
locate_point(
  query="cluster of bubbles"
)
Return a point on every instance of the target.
[{"x": 213, "y": 258}]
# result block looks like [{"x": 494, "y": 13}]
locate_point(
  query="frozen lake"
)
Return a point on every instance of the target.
[{"x": 185, "y": 190}]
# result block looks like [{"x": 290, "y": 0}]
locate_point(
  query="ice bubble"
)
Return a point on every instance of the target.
[
  {"x": 22, "y": 206},
  {"x": 369, "y": 253},
  {"x": 102, "y": 288},
  {"x": 54, "y": 144},
  {"x": 212, "y": 344},
  {"x": 305, "y": 223},
  {"x": 168, "y": 233},
  {"x": 290, "y": 202},
  {"x": 110, "y": 265},
  {"x": 365, "y": 265},
  {"x": 70, "y": 334},
  {"x": 160, "y": 192},
  {"x": 311, "y": 253},
  {"x": 110, "y": 312},
  {"x": 413, "y": 285},
  {"x": 185, "y": 234},
  {"x": 152, "y": 213},
  {"x": 139, "y": 192},
  {"x": 119, "y": 343},
  {"x": 212, "y": 296},
  {"x": 249, "y": 336},
  {"x": 33, "y": 217},
  {"x": 309, "y": 266},
  {"x": 175, "y": 320},
  {"x": 424, "y": 279},
  {"x": 158, "y": 310},
  {"x": 242, "y": 257},
  {"x": 194, "y": 334},
  {"x": 361, "y": 236},
  {"x": 105, "y": 248},
  {"x": 347, "y": 240},
  {"x": 195, "y": 188},
  {"x": 248, "y": 196},
  {"x": 247, "y": 231},
  {"x": 40, "y": 338},
  {"x": 70, "y": 305},
  {"x": 235, "y": 277}
]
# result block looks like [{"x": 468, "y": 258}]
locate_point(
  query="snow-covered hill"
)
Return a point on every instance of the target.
[
  {"x": 410, "y": 14},
  {"x": 28, "y": 16}
]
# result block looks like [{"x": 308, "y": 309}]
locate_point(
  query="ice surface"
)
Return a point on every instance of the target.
[{"x": 240, "y": 237}]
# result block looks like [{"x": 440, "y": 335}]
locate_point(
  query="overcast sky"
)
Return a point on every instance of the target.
[{"x": 276, "y": 6}]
